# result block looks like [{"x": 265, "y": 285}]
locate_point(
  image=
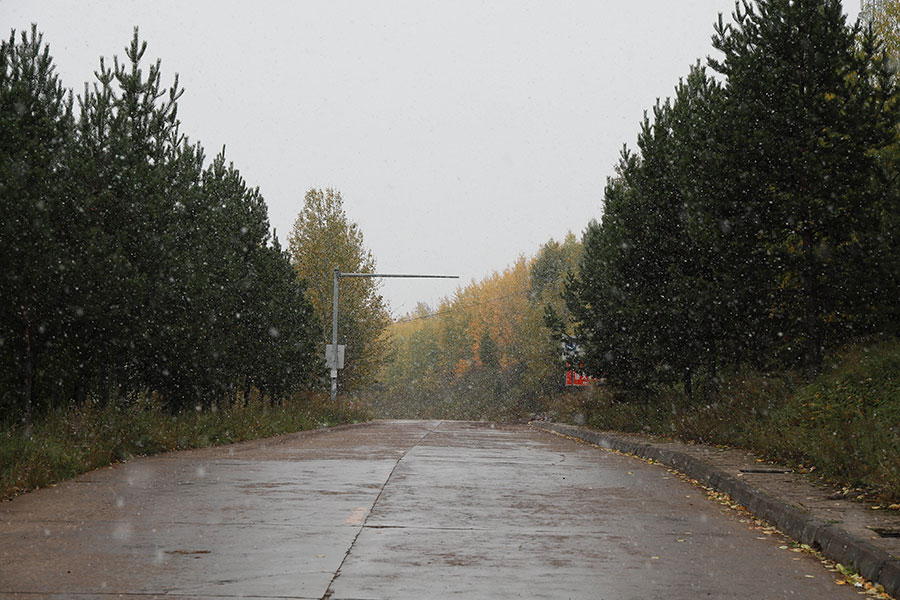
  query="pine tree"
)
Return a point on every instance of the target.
[
  {"x": 35, "y": 141},
  {"x": 129, "y": 146},
  {"x": 240, "y": 318},
  {"x": 718, "y": 287},
  {"x": 807, "y": 110}
]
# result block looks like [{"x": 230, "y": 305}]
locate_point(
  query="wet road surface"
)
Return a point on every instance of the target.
[{"x": 393, "y": 510}]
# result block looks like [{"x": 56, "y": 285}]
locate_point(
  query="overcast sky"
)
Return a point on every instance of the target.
[{"x": 461, "y": 134}]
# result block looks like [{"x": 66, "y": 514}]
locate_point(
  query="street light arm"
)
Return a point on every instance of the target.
[
  {"x": 334, "y": 313},
  {"x": 398, "y": 275}
]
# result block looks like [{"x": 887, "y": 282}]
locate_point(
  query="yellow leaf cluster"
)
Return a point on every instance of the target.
[{"x": 433, "y": 347}]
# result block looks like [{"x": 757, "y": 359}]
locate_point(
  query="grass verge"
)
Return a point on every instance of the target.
[
  {"x": 78, "y": 439},
  {"x": 844, "y": 425}
]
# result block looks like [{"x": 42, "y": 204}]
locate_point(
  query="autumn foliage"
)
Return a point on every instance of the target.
[{"x": 487, "y": 352}]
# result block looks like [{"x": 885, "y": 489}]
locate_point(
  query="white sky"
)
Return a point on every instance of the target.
[{"x": 461, "y": 134}]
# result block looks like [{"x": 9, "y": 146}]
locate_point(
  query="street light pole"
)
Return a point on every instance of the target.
[
  {"x": 334, "y": 344},
  {"x": 334, "y": 313}
]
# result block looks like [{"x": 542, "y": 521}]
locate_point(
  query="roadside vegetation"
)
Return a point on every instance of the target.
[
  {"x": 71, "y": 440},
  {"x": 844, "y": 425}
]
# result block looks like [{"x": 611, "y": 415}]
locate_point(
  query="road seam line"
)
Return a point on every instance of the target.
[{"x": 329, "y": 591}]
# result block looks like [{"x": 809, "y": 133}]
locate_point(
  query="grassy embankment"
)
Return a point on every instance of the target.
[
  {"x": 844, "y": 425},
  {"x": 70, "y": 441}
]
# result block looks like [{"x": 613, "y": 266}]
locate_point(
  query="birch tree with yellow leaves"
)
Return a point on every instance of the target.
[{"x": 324, "y": 238}]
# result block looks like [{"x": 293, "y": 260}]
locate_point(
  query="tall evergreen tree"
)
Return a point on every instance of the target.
[
  {"x": 260, "y": 305},
  {"x": 644, "y": 296},
  {"x": 35, "y": 140},
  {"x": 128, "y": 151},
  {"x": 807, "y": 109},
  {"x": 719, "y": 276}
]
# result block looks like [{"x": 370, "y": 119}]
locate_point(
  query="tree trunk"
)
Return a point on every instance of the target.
[
  {"x": 80, "y": 391},
  {"x": 81, "y": 385},
  {"x": 27, "y": 382},
  {"x": 815, "y": 336},
  {"x": 713, "y": 386},
  {"x": 814, "y": 333}
]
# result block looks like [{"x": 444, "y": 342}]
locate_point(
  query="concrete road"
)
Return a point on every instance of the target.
[{"x": 393, "y": 510}]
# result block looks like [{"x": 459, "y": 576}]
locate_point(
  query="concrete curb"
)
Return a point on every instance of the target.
[{"x": 873, "y": 563}]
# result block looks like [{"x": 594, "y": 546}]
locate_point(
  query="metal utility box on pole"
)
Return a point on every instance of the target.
[
  {"x": 329, "y": 356},
  {"x": 336, "y": 360}
]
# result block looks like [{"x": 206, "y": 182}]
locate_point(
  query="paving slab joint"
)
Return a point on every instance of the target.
[{"x": 833, "y": 542}]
